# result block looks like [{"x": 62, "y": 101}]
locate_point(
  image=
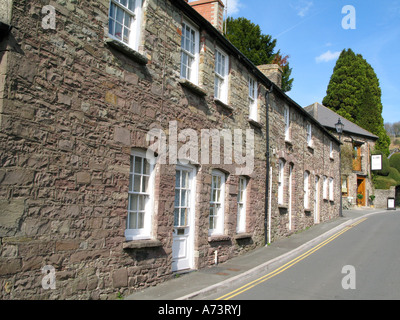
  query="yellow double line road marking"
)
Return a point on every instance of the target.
[{"x": 287, "y": 265}]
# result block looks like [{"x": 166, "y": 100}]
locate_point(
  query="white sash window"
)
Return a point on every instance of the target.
[{"x": 124, "y": 21}]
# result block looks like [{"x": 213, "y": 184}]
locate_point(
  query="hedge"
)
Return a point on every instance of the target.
[
  {"x": 384, "y": 183},
  {"x": 394, "y": 174},
  {"x": 395, "y": 161}
]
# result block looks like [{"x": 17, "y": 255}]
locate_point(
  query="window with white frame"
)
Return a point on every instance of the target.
[
  {"x": 140, "y": 202},
  {"x": 221, "y": 76},
  {"x": 286, "y": 115},
  {"x": 325, "y": 188},
  {"x": 253, "y": 102},
  {"x": 182, "y": 198},
  {"x": 241, "y": 203},
  {"x": 281, "y": 177},
  {"x": 331, "y": 149},
  {"x": 124, "y": 21},
  {"x": 216, "y": 217},
  {"x": 306, "y": 190},
  {"x": 331, "y": 189},
  {"x": 189, "y": 52},
  {"x": 309, "y": 135}
]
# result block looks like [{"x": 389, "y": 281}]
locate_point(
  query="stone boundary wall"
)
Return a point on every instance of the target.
[{"x": 382, "y": 196}]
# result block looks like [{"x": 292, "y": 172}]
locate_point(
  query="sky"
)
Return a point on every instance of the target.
[{"x": 311, "y": 32}]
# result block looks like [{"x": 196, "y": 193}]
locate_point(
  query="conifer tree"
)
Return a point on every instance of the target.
[
  {"x": 354, "y": 93},
  {"x": 257, "y": 47}
]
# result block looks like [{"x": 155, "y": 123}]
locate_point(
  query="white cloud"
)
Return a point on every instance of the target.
[
  {"x": 302, "y": 7},
  {"x": 233, "y": 6},
  {"x": 328, "y": 56}
]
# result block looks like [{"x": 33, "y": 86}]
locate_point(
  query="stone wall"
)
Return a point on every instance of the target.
[
  {"x": 315, "y": 159},
  {"x": 382, "y": 196},
  {"x": 74, "y": 105}
]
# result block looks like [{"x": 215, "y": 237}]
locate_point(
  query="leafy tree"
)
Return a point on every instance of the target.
[
  {"x": 396, "y": 129},
  {"x": 257, "y": 47},
  {"x": 354, "y": 93},
  {"x": 393, "y": 129}
]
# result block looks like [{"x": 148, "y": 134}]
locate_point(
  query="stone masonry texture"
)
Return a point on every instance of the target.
[{"x": 72, "y": 108}]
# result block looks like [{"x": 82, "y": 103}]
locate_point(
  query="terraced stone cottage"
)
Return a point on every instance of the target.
[{"x": 136, "y": 141}]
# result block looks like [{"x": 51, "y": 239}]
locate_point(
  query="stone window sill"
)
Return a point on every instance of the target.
[
  {"x": 289, "y": 142},
  {"x": 241, "y": 236},
  {"x": 218, "y": 238},
  {"x": 192, "y": 87},
  {"x": 255, "y": 123},
  {"x": 140, "y": 244},
  {"x": 223, "y": 104},
  {"x": 133, "y": 54}
]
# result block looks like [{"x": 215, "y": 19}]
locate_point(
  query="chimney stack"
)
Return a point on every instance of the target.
[
  {"x": 212, "y": 10},
  {"x": 273, "y": 72}
]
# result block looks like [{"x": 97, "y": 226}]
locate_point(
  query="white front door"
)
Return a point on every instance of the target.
[
  {"x": 316, "y": 201},
  {"x": 183, "y": 236}
]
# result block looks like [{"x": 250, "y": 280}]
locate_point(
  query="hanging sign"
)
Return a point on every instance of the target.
[{"x": 376, "y": 162}]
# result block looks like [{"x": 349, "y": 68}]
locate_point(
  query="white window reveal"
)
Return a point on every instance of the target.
[
  {"x": 241, "y": 203},
  {"x": 331, "y": 188},
  {"x": 253, "y": 102},
  {"x": 140, "y": 203},
  {"x": 281, "y": 178},
  {"x": 216, "y": 218},
  {"x": 325, "y": 188},
  {"x": 124, "y": 21},
  {"x": 221, "y": 76},
  {"x": 306, "y": 190},
  {"x": 286, "y": 115},
  {"x": 309, "y": 135},
  {"x": 189, "y": 52}
]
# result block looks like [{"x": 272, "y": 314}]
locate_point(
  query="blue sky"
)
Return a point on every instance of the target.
[{"x": 311, "y": 33}]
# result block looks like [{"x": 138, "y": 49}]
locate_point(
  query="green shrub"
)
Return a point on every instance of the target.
[
  {"x": 384, "y": 183},
  {"x": 394, "y": 174},
  {"x": 395, "y": 161}
]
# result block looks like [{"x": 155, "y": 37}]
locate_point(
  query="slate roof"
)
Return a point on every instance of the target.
[{"x": 329, "y": 118}]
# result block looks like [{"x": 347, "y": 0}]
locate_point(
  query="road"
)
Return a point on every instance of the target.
[{"x": 361, "y": 262}]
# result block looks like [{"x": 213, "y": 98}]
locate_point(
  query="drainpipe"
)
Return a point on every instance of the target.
[{"x": 266, "y": 217}]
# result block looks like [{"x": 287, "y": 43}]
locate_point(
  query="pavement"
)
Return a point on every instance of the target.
[{"x": 197, "y": 285}]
